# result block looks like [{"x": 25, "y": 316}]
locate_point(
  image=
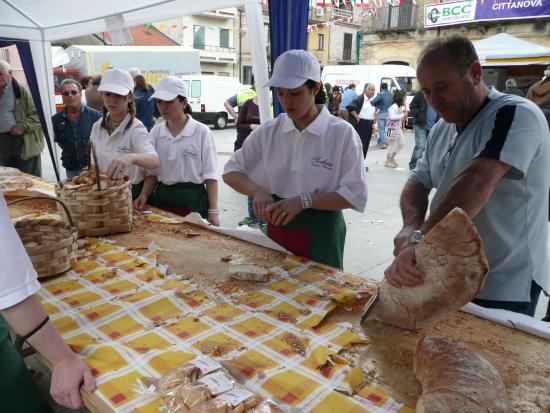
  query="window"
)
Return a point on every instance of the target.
[
  {"x": 247, "y": 75},
  {"x": 198, "y": 37},
  {"x": 196, "y": 89},
  {"x": 224, "y": 38},
  {"x": 321, "y": 42},
  {"x": 348, "y": 39},
  {"x": 392, "y": 87}
]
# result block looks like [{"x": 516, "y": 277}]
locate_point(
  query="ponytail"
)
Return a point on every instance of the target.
[
  {"x": 132, "y": 112},
  {"x": 104, "y": 119}
]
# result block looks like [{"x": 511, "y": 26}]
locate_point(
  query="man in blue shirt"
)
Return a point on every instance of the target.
[
  {"x": 72, "y": 127},
  {"x": 424, "y": 118},
  {"x": 348, "y": 96},
  {"x": 382, "y": 102}
]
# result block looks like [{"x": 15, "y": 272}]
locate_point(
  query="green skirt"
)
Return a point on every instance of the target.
[
  {"x": 18, "y": 391},
  {"x": 182, "y": 198},
  {"x": 314, "y": 234}
]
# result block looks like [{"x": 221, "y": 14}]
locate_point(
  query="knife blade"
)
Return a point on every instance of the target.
[{"x": 373, "y": 300}]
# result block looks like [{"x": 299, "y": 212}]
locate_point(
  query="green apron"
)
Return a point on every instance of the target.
[
  {"x": 19, "y": 393},
  {"x": 314, "y": 234},
  {"x": 136, "y": 191},
  {"x": 182, "y": 198}
]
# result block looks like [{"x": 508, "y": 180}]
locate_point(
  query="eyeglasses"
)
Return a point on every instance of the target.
[{"x": 71, "y": 92}]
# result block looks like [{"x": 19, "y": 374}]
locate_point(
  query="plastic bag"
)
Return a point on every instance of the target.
[{"x": 233, "y": 401}]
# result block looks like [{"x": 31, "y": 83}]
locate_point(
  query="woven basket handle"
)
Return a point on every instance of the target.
[
  {"x": 91, "y": 151},
  {"x": 46, "y": 197}
]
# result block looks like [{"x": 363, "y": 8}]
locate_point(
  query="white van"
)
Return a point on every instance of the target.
[
  {"x": 397, "y": 77},
  {"x": 207, "y": 93}
]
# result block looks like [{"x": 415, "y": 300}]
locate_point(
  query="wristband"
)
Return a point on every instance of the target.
[
  {"x": 306, "y": 201},
  {"x": 214, "y": 211},
  {"x": 36, "y": 329}
]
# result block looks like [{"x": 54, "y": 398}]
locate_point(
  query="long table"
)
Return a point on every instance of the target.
[{"x": 138, "y": 304}]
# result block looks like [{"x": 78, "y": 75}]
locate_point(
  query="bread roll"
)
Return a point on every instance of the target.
[
  {"x": 452, "y": 258},
  {"x": 455, "y": 379}
]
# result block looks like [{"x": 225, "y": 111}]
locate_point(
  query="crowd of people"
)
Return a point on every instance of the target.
[{"x": 478, "y": 149}]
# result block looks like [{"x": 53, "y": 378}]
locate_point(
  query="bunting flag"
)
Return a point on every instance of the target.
[
  {"x": 148, "y": 25},
  {"x": 162, "y": 26}
]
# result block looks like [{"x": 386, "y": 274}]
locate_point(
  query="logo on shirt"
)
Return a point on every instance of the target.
[
  {"x": 189, "y": 153},
  {"x": 124, "y": 149},
  {"x": 323, "y": 163}
]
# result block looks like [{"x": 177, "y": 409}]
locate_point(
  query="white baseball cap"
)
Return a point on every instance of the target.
[
  {"x": 170, "y": 87},
  {"x": 116, "y": 81},
  {"x": 293, "y": 68}
]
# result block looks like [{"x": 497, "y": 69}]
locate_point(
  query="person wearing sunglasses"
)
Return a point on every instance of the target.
[
  {"x": 72, "y": 127},
  {"x": 122, "y": 143},
  {"x": 187, "y": 180}
]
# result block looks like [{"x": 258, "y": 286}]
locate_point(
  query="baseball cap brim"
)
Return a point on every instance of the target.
[
  {"x": 164, "y": 95},
  {"x": 288, "y": 82},
  {"x": 113, "y": 88}
]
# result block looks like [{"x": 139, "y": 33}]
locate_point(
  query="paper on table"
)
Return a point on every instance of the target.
[
  {"x": 510, "y": 319},
  {"x": 244, "y": 232}
]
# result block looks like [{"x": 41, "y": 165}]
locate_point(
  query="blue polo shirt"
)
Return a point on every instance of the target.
[
  {"x": 347, "y": 98},
  {"x": 73, "y": 138},
  {"x": 382, "y": 101},
  {"x": 513, "y": 224}
]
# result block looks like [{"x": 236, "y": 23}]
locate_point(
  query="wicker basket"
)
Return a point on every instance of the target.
[
  {"x": 99, "y": 211},
  {"x": 50, "y": 243}
]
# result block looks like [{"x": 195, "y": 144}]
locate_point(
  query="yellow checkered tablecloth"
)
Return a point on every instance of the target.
[{"x": 128, "y": 320}]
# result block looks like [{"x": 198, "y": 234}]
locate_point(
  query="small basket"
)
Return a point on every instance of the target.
[
  {"x": 50, "y": 243},
  {"x": 99, "y": 211}
]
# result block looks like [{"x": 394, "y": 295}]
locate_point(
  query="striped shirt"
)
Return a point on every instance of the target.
[{"x": 513, "y": 223}]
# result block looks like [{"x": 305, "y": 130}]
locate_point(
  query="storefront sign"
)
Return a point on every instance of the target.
[
  {"x": 443, "y": 14},
  {"x": 460, "y": 12}
]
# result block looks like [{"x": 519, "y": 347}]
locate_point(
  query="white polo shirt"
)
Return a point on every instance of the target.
[
  {"x": 367, "y": 110},
  {"x": 18, "y": 279},
  {"x": 134, "y": 140},
  {"x": 325, "y": 157},
  {"x": 188, "y": 157}
]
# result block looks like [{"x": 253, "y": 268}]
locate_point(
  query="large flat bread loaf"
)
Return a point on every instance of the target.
[
  {"x": 455, "y": 379},
  {"x": 452, "y": 258}
]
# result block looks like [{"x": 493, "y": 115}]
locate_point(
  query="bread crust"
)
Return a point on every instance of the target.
[{"x": 453, "y": 259}]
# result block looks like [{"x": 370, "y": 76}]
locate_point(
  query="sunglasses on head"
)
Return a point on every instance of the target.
[{"x": 70, "y": 92}]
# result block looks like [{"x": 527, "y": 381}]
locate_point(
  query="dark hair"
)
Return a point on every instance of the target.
[
  {"x": 84, "y": 80},
  {"x": 131, "y": 111},
  {"x": 96, "y": 80},
  {"x": 252, "y": 81},
  {"x": 399, "y": 97},
  {"x": 458, "y": 48},
  {"x": 141, "y": 83},
  {"x": 351, "y": 86},
  {"x": 321, "y": 98},
  {"x": 384, "y": 86},
  {"x": 336, "y": 89}
]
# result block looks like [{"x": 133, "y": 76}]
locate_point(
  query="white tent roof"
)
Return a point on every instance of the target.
[
  {"x": 505, "y": 50},
  {"x": 43, "y": 21}
]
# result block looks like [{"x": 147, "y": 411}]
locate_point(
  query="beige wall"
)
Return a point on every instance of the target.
[{"x": 13, "y": 59}]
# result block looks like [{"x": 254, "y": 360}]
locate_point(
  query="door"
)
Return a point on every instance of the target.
[{"x": 194, "y": 86}]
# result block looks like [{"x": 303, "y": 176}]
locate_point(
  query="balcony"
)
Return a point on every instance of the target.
[
  {"x": 393, "y": 19},
  {"x": 318, "y": 14},
  {"x": 217, "y": 54},
  {"x": 221, "y": 14}
]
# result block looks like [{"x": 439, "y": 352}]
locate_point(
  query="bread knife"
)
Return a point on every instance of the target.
[{"x": 369, "y": 306}]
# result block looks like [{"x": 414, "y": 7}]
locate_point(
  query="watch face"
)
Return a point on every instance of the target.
[{"x": 415, "y": 237}]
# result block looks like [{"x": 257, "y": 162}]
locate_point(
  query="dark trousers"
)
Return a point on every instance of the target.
[
  {"x": 523, "y": 307},
  {"x": 364, "y": 129},
  {"x": 10, "y": 150}
]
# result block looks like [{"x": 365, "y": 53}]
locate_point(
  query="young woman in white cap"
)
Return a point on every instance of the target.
[
  {"x": 303, "y": 167},
  {"x": 187, "y": 180},
  {"x": 122, "y": 143}
]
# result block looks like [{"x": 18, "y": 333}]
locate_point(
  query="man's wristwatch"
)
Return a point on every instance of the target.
[{"x": 415, "y": 237}]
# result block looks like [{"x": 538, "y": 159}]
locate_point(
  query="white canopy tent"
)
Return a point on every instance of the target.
[
  {"x": 41, "y": 22},
  {"x": 505, "y": 50}
]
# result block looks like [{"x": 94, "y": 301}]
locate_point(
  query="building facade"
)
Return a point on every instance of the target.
[{"x": 213, "y": 34}]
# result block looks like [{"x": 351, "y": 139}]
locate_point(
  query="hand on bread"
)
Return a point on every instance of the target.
[
  {"x": 118, "y": 167},
  {"x": 403, "y": 271}
]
